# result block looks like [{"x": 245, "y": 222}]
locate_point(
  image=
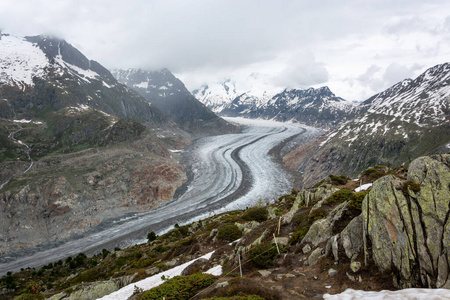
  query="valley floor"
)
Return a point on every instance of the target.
[{"x": 227, "y": 172}]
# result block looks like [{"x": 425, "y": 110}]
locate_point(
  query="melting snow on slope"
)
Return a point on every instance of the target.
[
  {"x": 363, "y": 187},
  {"x": 142, "y": 85},
  {"x": 155, "y": 280},
  {"x": 418, "y": 294},
  {"x": 84, "y": 75},
  {"x": 16, "y": 69},
  {"x": 27, "y": 121}
]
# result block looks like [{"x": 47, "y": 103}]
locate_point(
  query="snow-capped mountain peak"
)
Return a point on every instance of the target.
[
  {"x": 20, "y": 61},
  {"x": 24, "y": 58},
  {"x": 316, "y": 107},
  {"x": 422, "y": 101}
]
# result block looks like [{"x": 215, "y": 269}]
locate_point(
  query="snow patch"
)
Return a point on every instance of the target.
[
  {"x": 79, "y": 108},
  {"x": 142, "y": 85},
  {"x": 175, "y": 151},
  {"x": 155, "y": 280},
  {"x": 27, "y": 121},
  {"x": 20, "y": 61},
  {"x": 363, "y": 187},
  {"x": 328, "y": 138},
  {"x": 414, "y": 293}
]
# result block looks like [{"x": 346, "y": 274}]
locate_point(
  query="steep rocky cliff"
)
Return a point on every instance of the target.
[{"x": 168, "y": 93}]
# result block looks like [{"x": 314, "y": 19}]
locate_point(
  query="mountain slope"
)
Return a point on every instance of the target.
[
  {"x": 77, "y": 147},
  {"x": 169, "y": 94},
  {"x": 326, "y": 239},
  {"x": 408, "y": 120},
  {"x": 314, "y": 107},
  {"x": 46, "y": 74}
]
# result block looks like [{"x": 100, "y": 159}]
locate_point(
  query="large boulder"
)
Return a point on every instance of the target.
[{"x": 407, "y": 223}]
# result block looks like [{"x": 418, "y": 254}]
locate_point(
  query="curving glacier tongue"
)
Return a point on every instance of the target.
[{"x": 228, "y": 172}]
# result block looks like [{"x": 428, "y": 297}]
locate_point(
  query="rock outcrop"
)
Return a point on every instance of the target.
[
  {"x": 404, "y": 227},
  {"x": 408, "y": 223}
]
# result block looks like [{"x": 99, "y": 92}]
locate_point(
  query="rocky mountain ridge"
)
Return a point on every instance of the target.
[
  {"x": 42, "y": 73},
  {"x": 406, "y": 121},
  {"x": 169, "y": 94},
  {"x": 392, "y": 236},
  {"x": 314, "y": 107}
]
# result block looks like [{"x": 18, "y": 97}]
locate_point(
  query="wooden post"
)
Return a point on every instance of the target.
[
  {"x": 279, "y": 225},
  {"x": 240, "y": 265},
  {"x": 278, "y": 249}
]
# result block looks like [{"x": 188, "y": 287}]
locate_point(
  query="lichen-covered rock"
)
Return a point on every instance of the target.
[
  {"x": 321, "y": 230},
  {"x": 355, "y": 266},
  {"x": 306, "y": 197},
  {"x": 95, "y": 290},
  {"x": 352, "y": 237},
  {"x": 409, "y": 230},
  {"x": 315, "y": 256},
  {"x": 247, "y": 227}
]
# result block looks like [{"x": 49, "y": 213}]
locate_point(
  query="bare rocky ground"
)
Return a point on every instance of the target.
[{"x": 67, "y": 194}]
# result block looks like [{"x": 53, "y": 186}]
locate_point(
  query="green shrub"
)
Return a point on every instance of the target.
[
  {"x": 357, "y": 199},
  {"x": 243, "y": 289},
  {"x": 105, "y": 253},
  {"x": 28, "y": 296},
  {"x": 183, "y": 230},
  {"x": 338, "y": 180},
  {"x": 298, "y": 236},
  {"x": 317, "y": 215},
  {"x": 318, "y": 184},
  {"x": 411, "y": 185},
  {"x": 340, "y": 196},
  {"x": 180, "y": 287},
  {"x": 161, "y": 249},
  {"x": 250, "y": 297},
  {"x": 151, "y": 236},
  {"x": 375, "y": 173},
  {"x": 258, "y": 214},
  {"x": 264, "y": 255},
  {"x": 229, "y": 233}
]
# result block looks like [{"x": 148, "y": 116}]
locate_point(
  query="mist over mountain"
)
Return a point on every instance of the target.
[{"x": 169, "y": 94}]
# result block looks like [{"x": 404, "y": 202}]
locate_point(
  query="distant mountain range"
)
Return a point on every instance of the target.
[{"x": 313, "y": 107}]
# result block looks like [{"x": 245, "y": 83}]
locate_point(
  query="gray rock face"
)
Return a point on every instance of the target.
[
  {"x": 322, "y": 229},
  {"x": 307, "y": 197},
  {"x": 352, "y": 237},
  {"x": 410, "y": 230}
]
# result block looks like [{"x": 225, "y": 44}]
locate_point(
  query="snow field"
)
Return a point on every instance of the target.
[
  {"x": 155, "y": 280},
  {"x": 416, "y": 294}
]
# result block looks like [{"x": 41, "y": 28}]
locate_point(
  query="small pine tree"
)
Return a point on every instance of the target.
[{"x": 151, "y": 236}]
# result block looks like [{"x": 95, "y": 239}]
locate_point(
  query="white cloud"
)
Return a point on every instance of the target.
[{"x": 296, "y": 43}]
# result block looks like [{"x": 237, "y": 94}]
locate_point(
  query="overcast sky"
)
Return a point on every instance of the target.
[{"x": 355, "y": 47}]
